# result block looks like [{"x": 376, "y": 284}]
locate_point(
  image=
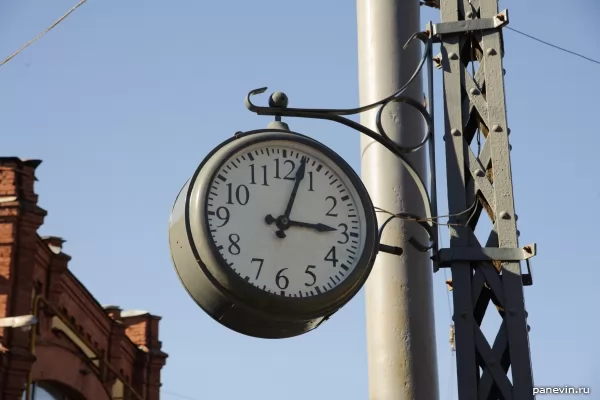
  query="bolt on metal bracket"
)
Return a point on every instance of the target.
[
  {"x": 486, "y": 254},
  {"x": 469, "y": 25},
  {"x": 395, "y": 250}
]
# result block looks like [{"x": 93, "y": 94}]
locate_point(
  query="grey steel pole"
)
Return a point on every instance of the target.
[{"x": 399, "y": 295}]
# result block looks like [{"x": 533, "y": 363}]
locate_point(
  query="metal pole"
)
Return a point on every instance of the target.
[{"x": 399, "y": 295}]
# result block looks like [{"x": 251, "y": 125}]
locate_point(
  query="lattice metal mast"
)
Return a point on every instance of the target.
[{"x": 471, "y": 31}]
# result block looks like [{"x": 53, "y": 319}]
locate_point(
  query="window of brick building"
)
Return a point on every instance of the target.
[{"x": 53, "y": 391}]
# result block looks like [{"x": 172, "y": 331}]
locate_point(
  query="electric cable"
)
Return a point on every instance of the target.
[
  {"x": 58, "y": 21},
  {"x": 179, "y": 396},
  {"x": 414, "y": 218},
  {"x": 553, "y": 45}
]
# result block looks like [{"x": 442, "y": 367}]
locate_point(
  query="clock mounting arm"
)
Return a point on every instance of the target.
[{"x": 278, "y": 108}]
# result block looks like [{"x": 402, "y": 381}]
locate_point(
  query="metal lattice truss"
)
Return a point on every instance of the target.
[{"x": 470, "y": 35}]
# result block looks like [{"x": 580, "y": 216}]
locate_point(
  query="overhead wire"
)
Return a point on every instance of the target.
[
  {"x": 58, "y": 21},
  {"x": 553, "y": 45},
  {"x": 430, "y": 3},
  {"x": 179, "y": 396}
]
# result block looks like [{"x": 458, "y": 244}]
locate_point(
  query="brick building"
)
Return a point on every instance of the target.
[{"x": 58, "y": 342}]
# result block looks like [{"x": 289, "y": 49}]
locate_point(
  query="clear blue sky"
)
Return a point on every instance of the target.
[{"x": 124, "y": 99}]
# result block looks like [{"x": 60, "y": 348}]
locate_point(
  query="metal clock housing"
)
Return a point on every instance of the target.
[{"x": 273, "y": 234}]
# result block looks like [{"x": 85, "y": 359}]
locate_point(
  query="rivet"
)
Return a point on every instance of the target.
[
  {"x": 497, "y": 128},
  {"x": 455, "y": 132},
  {"x": 503, "y": 71},
  {"x": 508, "y": 131},
  {"x": 528, "y": 328},
  {"x": 526, "y": 314},
  {"x": 474, "y": 91},
  {"x": 510, "y": 147},
  {"x": 504, "y": 215},
  {"x": 491, "y": 52},
  {"x": 512, "y": 311},
  {"x": 453, "y": 56},
  {"x": 479, "y": 172},
  {"x": 518, "y": 233},
  {"x": 516, "y": 217},
  {"x": 464, "y": 314}
]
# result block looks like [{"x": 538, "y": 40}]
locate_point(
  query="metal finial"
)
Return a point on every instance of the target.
[{"x": 278, "y": 100}]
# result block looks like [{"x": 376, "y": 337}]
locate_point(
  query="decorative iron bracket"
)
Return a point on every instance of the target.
[{"x": 278, "y": 108}]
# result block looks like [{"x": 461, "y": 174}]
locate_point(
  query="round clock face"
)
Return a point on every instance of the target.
[{"x": 286, "y": 219}]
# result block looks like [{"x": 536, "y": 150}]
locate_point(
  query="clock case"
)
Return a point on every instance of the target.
[{"x": 222, "y": 293}]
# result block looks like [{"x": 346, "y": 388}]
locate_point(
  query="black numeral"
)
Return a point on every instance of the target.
[
  {"x": 242, "y": 194},
  {"x": 234, "y": 247},
  {"x": 264, "y": 168},
  {"x": 252, "y": 179},
  {"x": 261, "y": 261},
  {"x": 223, "y": 214},
  {"x": 310, "y": 182},
  {"x": 331, "y": 256},
  {"x": 344, "y": 233},
  {"x": 311, "y": 274},
  {"x": 287, "y": 176},
  {"x": 281, "y": 280},
  {"x": 333, "y": 199}
]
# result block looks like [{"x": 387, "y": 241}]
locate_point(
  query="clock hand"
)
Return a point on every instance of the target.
[
  {"x": 318, "y": 227},
  {"x": 282, "y": 221},
  {"x": 269, "y": 219},
  {"x": 299, "y": 177}
]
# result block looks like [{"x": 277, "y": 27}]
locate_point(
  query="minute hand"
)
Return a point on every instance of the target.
[
  {"x": 317, "y": 227},
  {"x": 299, "y": 177}
]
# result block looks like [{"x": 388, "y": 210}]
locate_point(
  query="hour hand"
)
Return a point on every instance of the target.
[{"x": 317, "y": 227}]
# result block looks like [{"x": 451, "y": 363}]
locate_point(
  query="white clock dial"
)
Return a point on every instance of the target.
[{"x": 247, "y": 199}]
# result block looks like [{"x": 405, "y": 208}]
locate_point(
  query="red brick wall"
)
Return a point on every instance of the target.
[{"x": 30, "y": 265}]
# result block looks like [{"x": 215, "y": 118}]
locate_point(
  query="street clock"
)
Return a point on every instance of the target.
[{"x": 273, "y": 233}]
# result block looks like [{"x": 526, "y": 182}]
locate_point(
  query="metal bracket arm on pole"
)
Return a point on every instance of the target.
[
  {"x": 479, "y": 24},
  {"x": 486, "y": 254}
]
